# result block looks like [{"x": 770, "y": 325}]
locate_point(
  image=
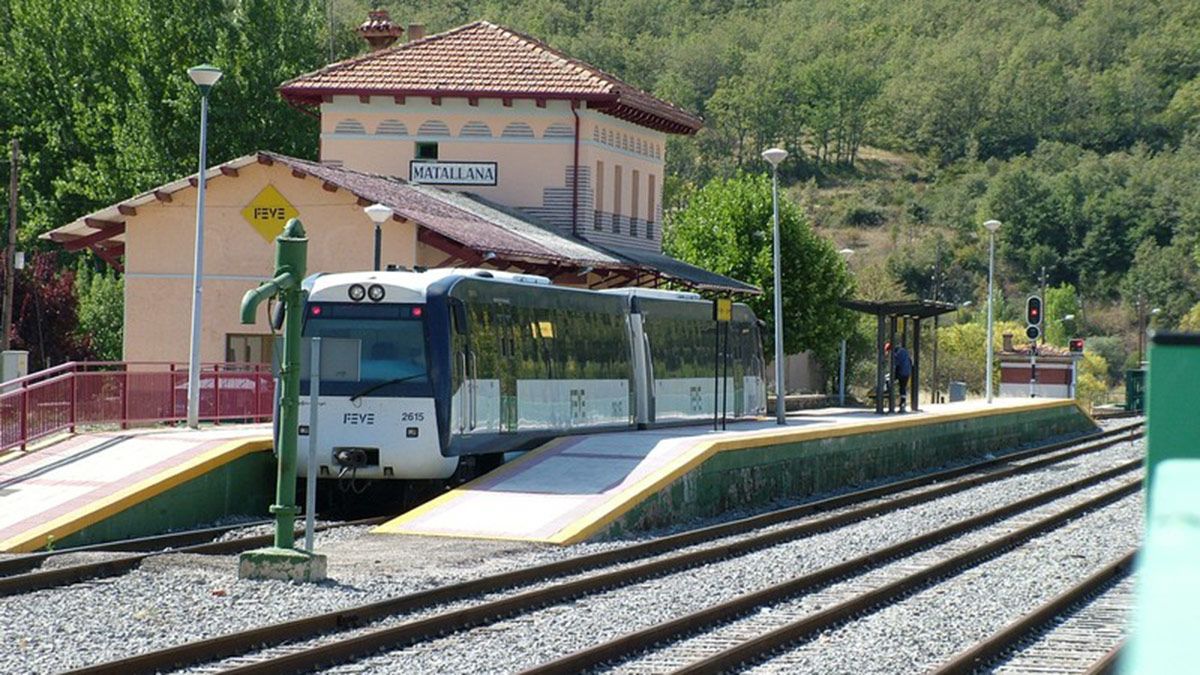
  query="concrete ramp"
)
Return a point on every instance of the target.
[
  {"x": 100, "y": 487},
  {"x": 584, "y": 487}
]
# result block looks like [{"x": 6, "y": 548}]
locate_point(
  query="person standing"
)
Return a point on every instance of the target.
[{"x": 903, "y": 372}]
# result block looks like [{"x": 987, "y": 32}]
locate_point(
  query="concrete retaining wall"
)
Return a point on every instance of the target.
[
  {"x": 242, "y": 487},
  {"x": 736, "y": 477}
]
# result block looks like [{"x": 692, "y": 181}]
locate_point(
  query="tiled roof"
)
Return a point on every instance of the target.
[
  {"x": 484, "y": 60},
  {"x": 460, "y": 219}
]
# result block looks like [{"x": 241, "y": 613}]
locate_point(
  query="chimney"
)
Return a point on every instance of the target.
[
  {"x": 1008, "y": 342},
  {"x": 416, "y": 31},
  {"x": 378, "y": 30}
]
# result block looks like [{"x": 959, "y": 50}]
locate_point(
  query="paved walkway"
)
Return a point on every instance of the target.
[
  {"x": 67, "y": 485},
  {"x": 568, "y": 488}
]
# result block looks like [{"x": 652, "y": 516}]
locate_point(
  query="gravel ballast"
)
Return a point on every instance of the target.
[{"x": 177, "y": 598}]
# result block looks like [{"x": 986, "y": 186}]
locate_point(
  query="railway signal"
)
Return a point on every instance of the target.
[
  {"x": 1033, "y": 317},
  {"x": 1075, "y": 345}
]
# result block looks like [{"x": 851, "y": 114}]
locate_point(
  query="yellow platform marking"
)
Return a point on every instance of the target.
[
  {"x": 137, "y": 493},
  {"x": 625, "y": 500}
]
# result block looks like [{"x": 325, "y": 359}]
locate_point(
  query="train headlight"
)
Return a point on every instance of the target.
[
  {"x": 375, "y": 292},
  {"x": 357, "y": 293}
]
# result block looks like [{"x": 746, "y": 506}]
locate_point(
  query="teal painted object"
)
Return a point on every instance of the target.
[
  {"x": 1173, "y": 400},
  {"x": 239, "y": 488},
  {"x": 758, "y": 476},
  {"x": 1167, "y": 614},
  {"x": 291, "y": 259}
]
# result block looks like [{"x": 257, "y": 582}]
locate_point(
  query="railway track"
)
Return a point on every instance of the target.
[
  {"x": 18, "y": 580},
  {"x": 1072, "y": 652},
  {"x": 858, "y": 506}
]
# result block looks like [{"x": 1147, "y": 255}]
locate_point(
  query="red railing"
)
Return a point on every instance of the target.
[{"x": 77, "y": 393}]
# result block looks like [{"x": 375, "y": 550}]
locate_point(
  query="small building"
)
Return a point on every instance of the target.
[
  {"x": 492, "y": 149},
  {"x": 1051, "y": 374}
]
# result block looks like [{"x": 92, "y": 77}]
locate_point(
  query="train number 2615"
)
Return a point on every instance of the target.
[{"x": 412, "y": 417}]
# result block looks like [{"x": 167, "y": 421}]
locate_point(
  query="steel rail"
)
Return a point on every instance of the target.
[
  {"x": 642, "y": 640},
  {"x": 981, "y": 653},
  {"x": 756, "y": 649},
  {"x": 273, "y": 634},
  {"x": 61, "y": 576},
  {"x": 1107, "y": 665},
  {"x": 28, "y": 561},
  {"x": 458, "y": 620}
]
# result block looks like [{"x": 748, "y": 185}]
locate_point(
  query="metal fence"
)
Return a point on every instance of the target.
[{"x": 78, "y": 393}]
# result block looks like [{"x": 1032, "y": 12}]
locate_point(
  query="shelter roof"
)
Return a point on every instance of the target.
[
  {"x": 917, "y": 309},
  {"x": 465, "y": 226},
  {"x": 483, "y": 60}
]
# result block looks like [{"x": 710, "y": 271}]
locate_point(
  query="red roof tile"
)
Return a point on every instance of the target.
[{"x": 484, "y": 60}]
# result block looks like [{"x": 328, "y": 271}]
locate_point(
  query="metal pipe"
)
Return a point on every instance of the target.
[
  {"x": 842, "y": 375},
  {"x": 991, "y": 273},
  {"x": 193, "y": 404},
  {"x": 780, "y": 385},
  {"x": 378, "y": 245}
]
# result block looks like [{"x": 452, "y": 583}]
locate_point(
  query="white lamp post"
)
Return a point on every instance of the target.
[
  {"x": 775, "y": 156},
  {"x": 845, "y": 253},
  {"x": 992, "y": 226},
  {"x": 204, "y": 77},
  {"x": 378, "y": 213}
]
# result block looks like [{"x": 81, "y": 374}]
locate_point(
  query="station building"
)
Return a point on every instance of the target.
[{"x": 492, "y": 149}]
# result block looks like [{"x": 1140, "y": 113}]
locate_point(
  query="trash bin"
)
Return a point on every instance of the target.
[
  {"x": 1135, "y": 389},
  {"x": 958, "y": 391}
]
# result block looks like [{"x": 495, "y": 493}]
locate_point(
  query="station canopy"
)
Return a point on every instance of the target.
[{"x": 887, "y": 313}]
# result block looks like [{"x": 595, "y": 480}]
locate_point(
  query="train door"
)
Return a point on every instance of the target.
[
  {"x": 506, "y": 337},
  {"x": 465, "y": 379}
]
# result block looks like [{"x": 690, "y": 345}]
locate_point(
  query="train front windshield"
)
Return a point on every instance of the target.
[{"x": 367, "y": 350}]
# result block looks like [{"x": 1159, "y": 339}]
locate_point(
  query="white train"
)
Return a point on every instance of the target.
[{"x": 422, "y": 369}]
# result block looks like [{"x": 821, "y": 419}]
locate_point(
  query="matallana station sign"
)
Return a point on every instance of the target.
[{"x": 452, "y": 173}]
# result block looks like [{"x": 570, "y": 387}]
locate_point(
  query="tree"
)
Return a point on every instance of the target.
[
  {"x": 45, "y": 315},
  {"x": 101, "y": 310},
  {"x": 727, "y": 227},
  {"x": 1061, "y": 302}
]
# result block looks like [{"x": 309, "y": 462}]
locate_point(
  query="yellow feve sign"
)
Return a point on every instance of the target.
[
  {"x": 723, "y": 310},
  {"x": 268, "y": 212}
]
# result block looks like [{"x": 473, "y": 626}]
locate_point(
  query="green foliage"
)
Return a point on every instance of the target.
[
  {"x": 1091, "y": 388},
  {"x": 1191, "y": 321},
  {"x": 962, "y": 352},
  {"x": 1061, "y": 302},
  {"x": 1113, "y": 352},
  {"x": 727, "y": 227},
  {"x": 101, "y": 310}
]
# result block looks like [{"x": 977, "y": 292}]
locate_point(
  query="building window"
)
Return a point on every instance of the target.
[
  {"x": 391, "y": 128},
  {"x": 634, "y": 181},
  {"x": 617, "y": 199},
  {"x": 349, "y": 127},
  {"x": 517, "y": 130},
  {"x": 433, "y": 128},
  {"x": 559, "y": 130},
  {"x": 598, "y": 199},
  {"x": 651, "y": 210},
  {"x": 426, "y": 151},
  {"x": 475, "y": 129},
  {"x": 248, "y": 348}
]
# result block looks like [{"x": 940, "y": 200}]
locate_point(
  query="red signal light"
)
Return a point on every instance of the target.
[
  {"x": 417, "y": 312},
  {"x": 1075, "y": 345},
  {"x": 316, "y": 310}
]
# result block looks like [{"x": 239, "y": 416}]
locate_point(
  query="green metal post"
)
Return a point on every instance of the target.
[
  {"x": 1172, "y": 427},
  {"x": 291, "y": 257}
]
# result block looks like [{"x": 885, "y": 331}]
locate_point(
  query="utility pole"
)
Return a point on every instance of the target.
[
  {"x": 1044, "y": 323},
  {"x": 10, "y": 250}
]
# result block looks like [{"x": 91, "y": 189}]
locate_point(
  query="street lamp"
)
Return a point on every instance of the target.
[
  {"x": 845, "y": 253},
  {"x": 992, "y": 226},
  {"x": 204, "y": 77},
  {"x": 774, "y": 156},
  {"x": 378, "y": 213}
]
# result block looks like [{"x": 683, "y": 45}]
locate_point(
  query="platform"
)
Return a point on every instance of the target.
[
  {"x": 103, "y": 486},
  {"x": 579, "y": 488}
]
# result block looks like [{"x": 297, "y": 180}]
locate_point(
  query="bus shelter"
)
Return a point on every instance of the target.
[{"x": 892, "y": 317}]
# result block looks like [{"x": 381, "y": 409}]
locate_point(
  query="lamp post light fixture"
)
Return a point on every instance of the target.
[
  {"x": 845, "y": 253},
  {"x": 992, "y": 226},
  {"x": 774, "y": 156},
  {"x": 204, "y": 77},
  {"x": 378, "y": 213}
]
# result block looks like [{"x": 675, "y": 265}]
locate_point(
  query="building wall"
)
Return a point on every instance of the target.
[
  {"x": 160, "y": 246},
  {"x": 534, "y": 151}
]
